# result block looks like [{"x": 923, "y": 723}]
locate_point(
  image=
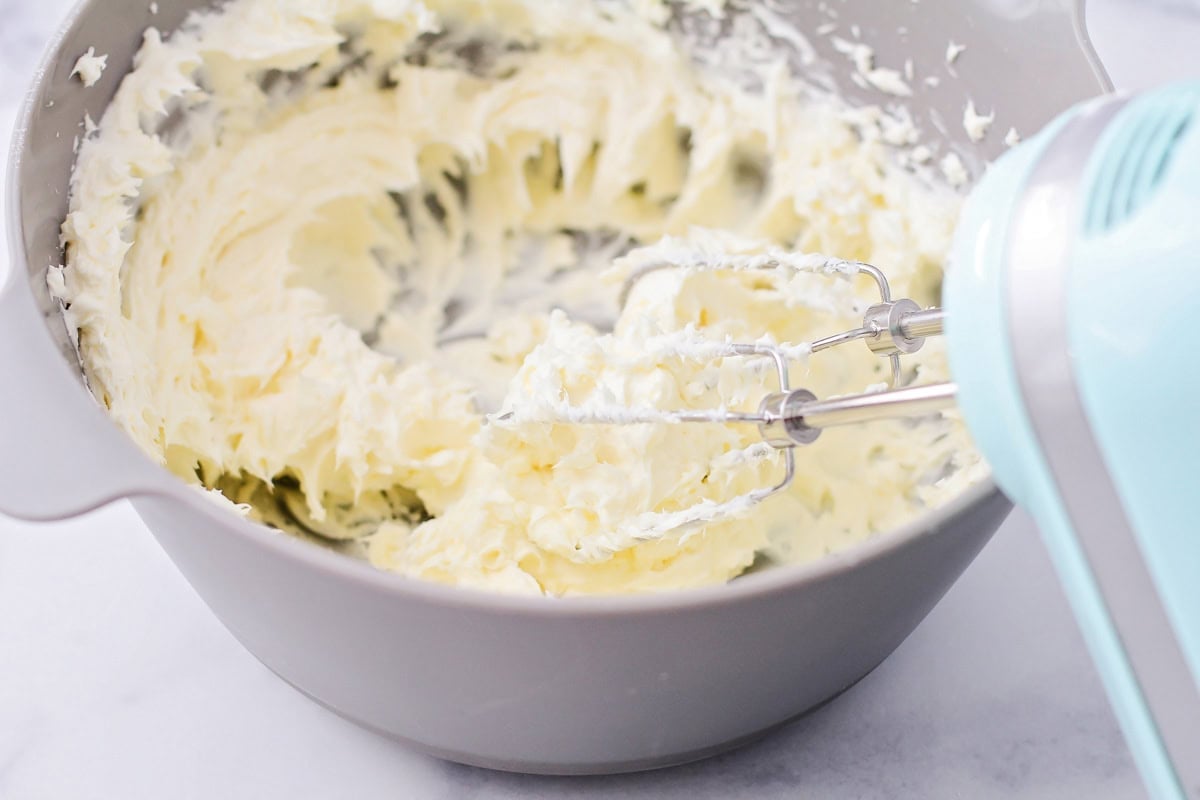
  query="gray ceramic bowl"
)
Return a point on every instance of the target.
[{"x": 530, "y": 684}]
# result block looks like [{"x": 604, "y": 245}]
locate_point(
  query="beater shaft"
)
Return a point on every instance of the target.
[
  {"x": 923, "y": 324},
  {"x": 797, "y": 417}
]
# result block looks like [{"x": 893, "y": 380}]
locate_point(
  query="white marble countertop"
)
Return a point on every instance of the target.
[{"x": 116, "y": 681}]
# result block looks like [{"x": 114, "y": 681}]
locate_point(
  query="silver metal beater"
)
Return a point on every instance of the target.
[{"x": 790, "y": 418}]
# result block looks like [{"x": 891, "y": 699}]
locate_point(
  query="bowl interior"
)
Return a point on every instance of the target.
[{"x": 1007, "y": 52}]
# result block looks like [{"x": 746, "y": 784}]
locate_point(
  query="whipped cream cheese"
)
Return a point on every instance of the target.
[{"x": 340, "y": 262}]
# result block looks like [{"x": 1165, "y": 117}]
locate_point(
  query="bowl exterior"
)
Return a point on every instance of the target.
[{"x": 550, "y": 691}]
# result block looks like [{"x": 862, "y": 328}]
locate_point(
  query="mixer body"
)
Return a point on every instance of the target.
[{"x": 1076, "y": 277}]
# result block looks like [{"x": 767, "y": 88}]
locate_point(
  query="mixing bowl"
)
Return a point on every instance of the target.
[{"x": 557, "y": 686}]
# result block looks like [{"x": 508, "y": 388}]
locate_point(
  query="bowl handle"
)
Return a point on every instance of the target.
[{"x": 60, "y": 455}]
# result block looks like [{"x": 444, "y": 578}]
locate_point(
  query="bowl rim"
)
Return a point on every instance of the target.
[{"x": 772, "y": 581}]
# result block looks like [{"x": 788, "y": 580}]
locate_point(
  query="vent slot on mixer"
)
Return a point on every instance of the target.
[{"x": 1138, "y": 152}]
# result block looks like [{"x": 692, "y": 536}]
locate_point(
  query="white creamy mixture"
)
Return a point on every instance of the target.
[
  {"x": 90, "y": 67},
  {"x": 313, "y": 244},
  {"x": 976, "y": 124}
]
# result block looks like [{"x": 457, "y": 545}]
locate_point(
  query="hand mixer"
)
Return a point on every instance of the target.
[{"x": 1070, "y": 312}]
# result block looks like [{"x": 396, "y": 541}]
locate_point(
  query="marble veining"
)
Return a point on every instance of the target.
[{"x": 117, "y": 682}]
